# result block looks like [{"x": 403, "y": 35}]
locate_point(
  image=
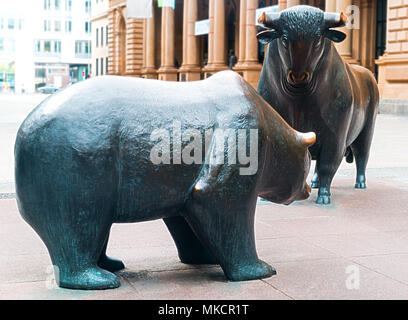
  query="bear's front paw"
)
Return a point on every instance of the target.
[
  {"x": 257, "y": 270},
  {"x": 93, "y": 278}
]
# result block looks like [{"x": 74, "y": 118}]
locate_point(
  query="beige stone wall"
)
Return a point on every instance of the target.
[{"x": 393, "y": 65}]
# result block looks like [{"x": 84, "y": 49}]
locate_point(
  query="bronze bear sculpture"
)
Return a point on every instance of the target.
[
  {"x": 314, "y": 89},
  {"x": 83, "y": 161}
]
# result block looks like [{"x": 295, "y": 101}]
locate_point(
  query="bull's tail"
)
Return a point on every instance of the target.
[{"x": 349, "y": 155}]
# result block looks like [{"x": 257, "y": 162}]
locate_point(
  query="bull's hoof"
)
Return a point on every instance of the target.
[
  {"x": 360, "y": 185},
  {"x": 360, "y": 182},
  {"x": 258, "y": 270},
  {"x": 314, "y": 184},
  {"x": 93, "y": 278},
  {"x": 323, "y": 199},
  {"x": 111, "y": 264}
]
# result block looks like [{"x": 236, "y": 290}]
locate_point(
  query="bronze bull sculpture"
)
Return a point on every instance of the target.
[
  {"x": 314, "y": 89},
  {"x": 83, "y": 161}
]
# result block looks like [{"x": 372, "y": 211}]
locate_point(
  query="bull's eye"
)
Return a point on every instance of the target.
[{"x": 284, "y": 41}]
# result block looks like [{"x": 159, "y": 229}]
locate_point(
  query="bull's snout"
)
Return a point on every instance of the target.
[{"x": 296, "y": 78}]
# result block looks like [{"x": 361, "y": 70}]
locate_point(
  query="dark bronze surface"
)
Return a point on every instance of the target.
[
  {"x": 314, "y": 89},
  {"x": 82, "y": 162}
]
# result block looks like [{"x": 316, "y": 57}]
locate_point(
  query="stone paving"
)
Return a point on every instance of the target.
[{"x": 355, "y": 248}]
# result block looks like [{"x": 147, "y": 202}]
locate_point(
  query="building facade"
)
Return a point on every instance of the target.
[
  {"x": 47, "y": 42},
  {"x": 100, "y": 32},
  {"x": 168, "y": 47}
]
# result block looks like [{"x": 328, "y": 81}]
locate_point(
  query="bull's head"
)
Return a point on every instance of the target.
[{"x": 301, "y": 32}]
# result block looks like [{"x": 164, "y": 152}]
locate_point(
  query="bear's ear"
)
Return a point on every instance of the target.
[
  {"x": 267, "y": 36},
  {"x": 334, "y": 35}
]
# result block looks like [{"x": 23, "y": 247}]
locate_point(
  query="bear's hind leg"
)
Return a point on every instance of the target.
[
  {"x": 190, "y": 249},
  {"x": 76, "y": 258},
  {"x": 75, "y": 247}
]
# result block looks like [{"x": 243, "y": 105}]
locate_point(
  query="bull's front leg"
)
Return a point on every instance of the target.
[
  {"x": 327, "y": 164},
  {"x": 315, "y": 180}
]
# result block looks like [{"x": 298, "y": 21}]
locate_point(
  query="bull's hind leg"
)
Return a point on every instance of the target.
[
  {"x": 108, "y": 263},
  {"x": 227, "y": 230},
  {"x": 315, "y": 180},
  {"x": 361, "y": 151},
  {"x": 190, "y": 249}
]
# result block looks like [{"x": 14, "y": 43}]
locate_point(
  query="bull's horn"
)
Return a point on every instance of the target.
[
  {"x": 308, "y": 138},
  {"x": 334, "y": 20},
  {"x": 269, "y": 19}
]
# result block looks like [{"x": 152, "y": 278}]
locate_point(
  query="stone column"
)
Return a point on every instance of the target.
[
  {"x": 219, "y": 33},
  {"x": 344, "y": 48},
  {"x": 242, "y": 34},
  {"x": 292, "y": 3},
  {"x": 149, "y": 65},
  {"x": 331, "y": 5},
  {"x": 251, "y": 54},
  {"x": 167, "y": 70},
  {"x": 217, "y": 56},
  {"x": 282, "y": 5},
  {"x": 211, "y": 33},
  {"x": 252, "y": 67},
  {"x": 190, "y": 70}
]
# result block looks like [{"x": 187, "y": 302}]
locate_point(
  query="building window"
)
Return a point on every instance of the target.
[
  {"x": 101, "y": 36},
  {"x": 47, "y": 46},
  {"x": 97, "y": 37},
  {"x": 57, "y": 46},
  {"x": 47, "y": 25},
  {"x": 106, "y": 31},
  {"x": 57, "y": 26},
  {"x": 68, "y": 26},
  {"x": 37, "y": 46},
  {"x": 1, "y": 23},
  {"x": 101, "y": 66},
  {"x": 87, "y": 6},
  {"x": 68, "y": 5},
  {"x": 20, "y": 24},
  {"x": 106, "y": 64},
  {"x": 97, "y": 66},
  {"x": 87, "y": 27},
  {"x": 82, "y": 49},
  {"x": 10, "y": 24},
  {"x": 57, "y": 5},
  {"x": 47, "y": 4},
  {"x": 1, "y": 44}
]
